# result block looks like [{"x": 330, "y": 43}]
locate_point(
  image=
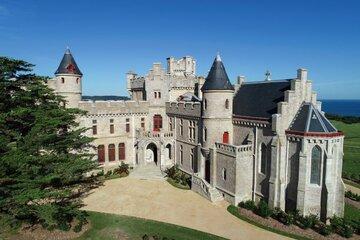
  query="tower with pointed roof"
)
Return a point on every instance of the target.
[
  {"x": 217, "y": 105},
  {"x": 68, "y": 80}
]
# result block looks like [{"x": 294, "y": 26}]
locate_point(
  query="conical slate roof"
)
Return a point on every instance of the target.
[
  {"x": 68, "y": 65},
  {"x": 217, "y": 78},
  {"x": 310, "y": 119}
]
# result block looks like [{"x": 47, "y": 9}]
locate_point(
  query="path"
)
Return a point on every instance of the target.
[
  {"x": 352, "y": 188},
  {"x": 158, "y": 200}
]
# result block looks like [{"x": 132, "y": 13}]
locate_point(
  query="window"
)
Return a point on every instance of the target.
[
  {"x": 263, "y": 158},
  {"x": 62, "y": 80},
  {"x": 94, "y": 129},
  {"x": 181, "y": 155},
  {"x": 205, "y": 134},
  {"x": 121, "y": 151},
  {"x": 227, "y": 103},
  {"x": 111, "y": 152},
  {"x": 192, "y": 158},
  {"x": 159, "y": 94},
  {"x": 111, "y": 126},
  {"x": 101, "y": 153},
  {"x": 157, "y": 122},
  {"x": 143, "y": 123},
  {"x": 181, "y": 127},
  {"x": 155, "y": 94},
  {"x": 205, "y": 104},
  {"x": 192, "y": 130},
  {"x": 77, "y": 80},
  {"x": 226, "y": 137},
  {"x": 170, "y": 124},
  {"x": 223, "y": 174},
  {"x": 315, "y": 165},
  {"x": 94, "y": 121},
  {"x": 127, "y": 125}
]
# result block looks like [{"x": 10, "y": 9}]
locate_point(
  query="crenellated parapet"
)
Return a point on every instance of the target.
[
  {"x": 114, "y": 107},
  {"x": 190, "y": 109}
]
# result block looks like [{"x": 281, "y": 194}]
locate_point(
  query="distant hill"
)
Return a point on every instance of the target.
[{"x": 105, "y": 98}]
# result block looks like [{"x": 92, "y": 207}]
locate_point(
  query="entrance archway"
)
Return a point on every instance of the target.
[{"x": 151, "y": 154}]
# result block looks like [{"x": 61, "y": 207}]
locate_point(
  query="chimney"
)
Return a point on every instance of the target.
[{"x": 302, "y": 74}]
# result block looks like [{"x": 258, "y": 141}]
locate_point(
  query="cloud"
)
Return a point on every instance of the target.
[{"x": 4, "y": 11}]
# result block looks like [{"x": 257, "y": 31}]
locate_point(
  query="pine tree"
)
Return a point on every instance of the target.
[{"x": 44, "y": 155}]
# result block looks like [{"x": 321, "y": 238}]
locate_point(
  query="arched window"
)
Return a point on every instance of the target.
[
  {"x": 315, "y": 165},
  {"x": 263, "y": 157},
  {"x": 223, "y": 173},
  {"x": 101, "y": 153},
  {"x": 111, "y": 152},
  {"x": 227, "y": 103},
  {"x": 121, "y": 151},
  {"x": 62, "y": 80},
  {"x": 168, "y": 147}
]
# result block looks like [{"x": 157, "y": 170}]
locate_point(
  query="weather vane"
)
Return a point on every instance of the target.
[{"x": 268, "y": 75}]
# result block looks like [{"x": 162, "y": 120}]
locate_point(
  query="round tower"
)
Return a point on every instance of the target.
[
  {"x": 217, "y": 103},
  {"x": 69, "y": 80}
]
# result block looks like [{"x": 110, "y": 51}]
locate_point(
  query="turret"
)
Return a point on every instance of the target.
[
  {"x": 69, "y": 80},
  {"x": 217, "y": 103}
]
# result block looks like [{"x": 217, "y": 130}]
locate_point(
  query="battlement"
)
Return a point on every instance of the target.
[
  {"x": 114, "y": 107},
  {"x": 192, "y": 109}
]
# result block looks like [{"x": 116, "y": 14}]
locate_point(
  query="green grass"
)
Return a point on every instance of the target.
[
  {"x": 235, "y": 211},
  {"x": 104, "y": 225},
  {"x": 351, "y": 213},
  {"x": 177, "y": 185},
  {"x": 351, "y": 164}
]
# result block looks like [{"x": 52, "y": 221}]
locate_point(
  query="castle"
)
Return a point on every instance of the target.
[{"x": 248, "y": 141}]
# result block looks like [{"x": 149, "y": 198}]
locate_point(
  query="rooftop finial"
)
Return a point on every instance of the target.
[
  {"x": 67, "y": 50},
  {"x": 218, "y": 58},
  {"x": 268, "y": 75}
]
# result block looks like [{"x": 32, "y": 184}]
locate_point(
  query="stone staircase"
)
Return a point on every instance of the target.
[
  {"x": 203, "y": 188},
  {"x": 149, "y": 172}
]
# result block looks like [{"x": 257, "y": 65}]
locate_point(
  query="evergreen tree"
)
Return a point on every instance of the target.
[{"x": 44, "y": 155}]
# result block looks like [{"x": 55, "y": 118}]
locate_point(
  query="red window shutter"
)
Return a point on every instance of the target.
[
  {"x": 111, "y": 152},
  {"x": 121, "y": 151},
  {"x": 101, "y": 154},
  {"x": 226, "y": 137}
]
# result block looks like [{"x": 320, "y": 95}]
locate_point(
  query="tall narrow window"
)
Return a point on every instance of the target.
[
  {"x": 226, "y": 137},
  {"x": 111, "y": 152},
  {"x": 94, "y": 127},
  {"x": 62, "y": 80},
  {"x": 127, "y": 125},
  {"x": 223, "y": 173},
  {"x": 227, "y": 103},
  {"x": 181, "y": 155},
  {"x": 192, "y": 130},
  {"x": 111, "y": 126},
  {"x": 157, "y": 122},
  {"x": 315, "y": 165},
  {"x": 155, "y": 94},
  {"x": 263, "y": 158},
  {"x": 192, "y": 158},
  {"x": 101, "y": 153},
  {"x": 205, "y": 104},
  {"x": 205, "y": 134},
  {"x": 77, "y": 80},
  {"x": 121, "y": 151},
  {"x": 181, "y": 127},
  {"x": 143, "y": 123},
  {"x": 159, "y": 94},
  {"x": 170, "y": 124}
]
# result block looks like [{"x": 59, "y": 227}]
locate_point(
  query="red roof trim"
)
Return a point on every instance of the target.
[
  {"x": 252, "y": 118},
  {"x": 314, "y": 134}
]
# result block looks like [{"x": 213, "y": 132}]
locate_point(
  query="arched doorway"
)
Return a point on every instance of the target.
[
  {"x": 151, "y": 154},
  {"x": 168, "y": 152}
]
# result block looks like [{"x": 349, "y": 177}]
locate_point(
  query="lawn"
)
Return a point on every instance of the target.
[
  {"x": 108, "y": 226},
  {"x": 351, "y": 166},
  {"x": 351, "y": 213}
]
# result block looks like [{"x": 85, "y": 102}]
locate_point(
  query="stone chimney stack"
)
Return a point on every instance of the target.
[{"x": 302, "y": 74}]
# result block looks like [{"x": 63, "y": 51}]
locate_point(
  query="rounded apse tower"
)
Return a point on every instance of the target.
[
  {"x": 217, "y": 103},
  {"x": 69, "y": 80}
]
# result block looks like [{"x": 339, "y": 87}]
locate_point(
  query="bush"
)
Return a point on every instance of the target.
[
  {"x": 324, "y": 229},
  {"x": 108, "y": 173},
  {"x": 249, "y": 205},
  {"x": 263, "y": 209},
  {"x": 123, "y": 169},
  {"x": 352, "y": 196},
  {"x": 341, "y": 227},
  {"x": 355, "y": 224},
  {"x": 308, "y": 221},
  {"x": 178, "y": 176}
]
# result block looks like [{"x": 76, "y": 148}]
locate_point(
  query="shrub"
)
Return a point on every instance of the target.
[
  {"x": 249, "y": 205},
  {"x": 123, "y": 169},
  {"x": 324, "y": 229},
  {"x": 101, "y": 173},
  {"x": 178, "y": 176},
  {"x": 108, "y": 173},
  {"x": 352, "y": 196},
  {"x": 263, "y": 209},
  {"x": 145, "y": 237},
  {"x": 308, "y": 221},
  {"x": 355, "y": 224},
  {"x": 287, "y": 218},
  {"x": 341, "y": 226}
]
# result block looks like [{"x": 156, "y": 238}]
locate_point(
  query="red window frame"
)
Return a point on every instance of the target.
[{"x": 226, "y": 137}]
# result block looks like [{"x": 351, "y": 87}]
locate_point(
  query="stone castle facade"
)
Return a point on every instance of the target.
[{"x": 248, "y": 141}]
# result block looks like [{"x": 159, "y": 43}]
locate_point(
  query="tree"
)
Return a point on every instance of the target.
[{"x": 44, "y": 155}]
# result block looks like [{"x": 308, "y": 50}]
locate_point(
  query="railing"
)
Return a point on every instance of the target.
[
  {"x": 200, "y": 186},
  {"x": 153, "y": 134},
  {"x": 232, "y": 148}
]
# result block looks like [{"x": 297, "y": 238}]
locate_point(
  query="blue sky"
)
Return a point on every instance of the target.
[{"x": 108, "y": 38}]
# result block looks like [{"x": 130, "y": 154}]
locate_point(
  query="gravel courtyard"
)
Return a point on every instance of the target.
[{"x": 158, "y": 200}]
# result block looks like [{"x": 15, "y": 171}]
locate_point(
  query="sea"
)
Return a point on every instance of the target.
[{"x": 341, "y": 107}]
